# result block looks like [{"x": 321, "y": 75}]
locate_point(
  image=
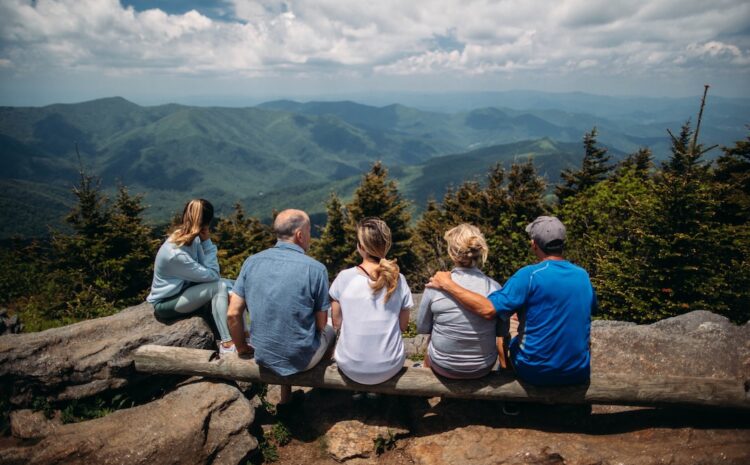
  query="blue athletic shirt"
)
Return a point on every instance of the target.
[{"x": 554, "y": 300}]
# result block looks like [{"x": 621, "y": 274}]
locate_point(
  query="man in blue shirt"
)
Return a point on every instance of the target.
[
  {"x": 286, "y": 293},
  {"x": 554, "y": 300}
]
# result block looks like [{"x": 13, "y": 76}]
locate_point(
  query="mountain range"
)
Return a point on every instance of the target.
[{"x": 284, "y": 153}]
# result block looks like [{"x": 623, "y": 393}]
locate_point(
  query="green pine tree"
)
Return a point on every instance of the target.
[
  {"x": 429, "y": 246},
  {"x": 606, "y": 236},
  {"x": 237, "y": 237},
  {"x": 500, "y": 209},
  {"x": 378, "y": 196},
  {"x": 594, "y": 169},
  {"x": 732, "y": 173},
  {"x": 640, "y": 162},
  {"x": 102, "y": 266},
  {"x": 334, "y": 245}
]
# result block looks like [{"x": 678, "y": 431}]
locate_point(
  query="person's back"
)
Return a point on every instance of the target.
[
  {"x": 552, "y": 344},
  {"x": 284, "y": 288},
  {"x": 461, "y": 343},
  {"x": 286, "y": 293},
  {"x": 370, "y": 304},
  {"x": 554, "y": 300},
  {"x": 370, "y": 348}
]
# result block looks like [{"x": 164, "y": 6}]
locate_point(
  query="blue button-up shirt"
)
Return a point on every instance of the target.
[{"x": 283, "y": 288}]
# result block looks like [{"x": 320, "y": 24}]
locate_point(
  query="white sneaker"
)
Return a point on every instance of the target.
[{"x": 223, "y": 350}]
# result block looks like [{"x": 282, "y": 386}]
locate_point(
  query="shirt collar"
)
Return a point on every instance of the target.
[
  {"x": 289, "y": 245},
  {"x": 466, "y": 269}
]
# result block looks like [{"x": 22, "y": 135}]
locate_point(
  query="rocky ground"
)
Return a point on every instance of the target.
[
  {"x": 330, "y": 427},
  {"x": 182, "y": 421}
]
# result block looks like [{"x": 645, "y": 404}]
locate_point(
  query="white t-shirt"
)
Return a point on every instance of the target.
[{"x": 369, "y": 349}]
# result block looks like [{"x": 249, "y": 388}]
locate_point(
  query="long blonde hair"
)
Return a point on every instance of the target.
[
  {"x": 466, "y": 245},
  {"x": 197, "y": 214},
  {"x": 374, "y": 238}
]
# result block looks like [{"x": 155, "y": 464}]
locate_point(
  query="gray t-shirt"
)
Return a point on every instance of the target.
[
  {"x": 283, "y": 289},
  {"x": 461, "y": 341}
]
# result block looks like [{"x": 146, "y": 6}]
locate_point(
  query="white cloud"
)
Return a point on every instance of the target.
[{"x": 389, "y": 37}]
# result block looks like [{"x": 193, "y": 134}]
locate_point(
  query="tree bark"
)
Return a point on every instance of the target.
[{"x": 602, "y": 389}]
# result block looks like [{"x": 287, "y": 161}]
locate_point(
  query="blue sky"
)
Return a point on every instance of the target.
[{"x": 155, "y": 52}]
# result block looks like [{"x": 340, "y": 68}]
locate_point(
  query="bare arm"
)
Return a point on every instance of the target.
[
  {"x": 403, "y": 319},
  {"x": 475, "y": 303},
  {"x": 321, "y": 320},
  {"x": 237, "y": 325},
  {"x": 336, "y": 315}
]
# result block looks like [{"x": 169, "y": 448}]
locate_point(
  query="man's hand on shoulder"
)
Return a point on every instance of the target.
[{"x": 440, "y": 280}]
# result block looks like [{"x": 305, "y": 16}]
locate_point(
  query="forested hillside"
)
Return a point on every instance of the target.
[
  {"x": 287, "y": 153},
  {"x": 659, "y": 237}
]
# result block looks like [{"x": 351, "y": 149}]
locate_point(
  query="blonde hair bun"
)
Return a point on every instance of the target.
[{"x": 466, "y": 245}]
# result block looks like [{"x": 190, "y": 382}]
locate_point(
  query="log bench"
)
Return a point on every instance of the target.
[{"x": 603, "y": 388}]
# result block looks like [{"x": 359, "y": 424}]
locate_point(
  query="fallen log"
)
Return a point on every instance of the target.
[{"x": 602, "y": 389}]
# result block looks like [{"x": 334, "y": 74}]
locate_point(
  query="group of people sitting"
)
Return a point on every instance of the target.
[{"x": 282, "y": 309}]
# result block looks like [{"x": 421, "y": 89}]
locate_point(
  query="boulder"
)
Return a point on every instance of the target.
[
  {"x": 698, "y": 344},
  {"x": 351, "y": 439},
  {"x": 198, "y": 423},
  {"x": 481, "y": 445},
  {"x": 89, "y": 357},
  {"x": 29, "y": 424}
]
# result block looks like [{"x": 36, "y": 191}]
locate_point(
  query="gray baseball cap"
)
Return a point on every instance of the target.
[{"x": 548, "y": 232}]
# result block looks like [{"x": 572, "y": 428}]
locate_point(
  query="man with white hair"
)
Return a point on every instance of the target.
[
  {"x": 554, "y": 300},
  {"x": 286, "y": 293}
]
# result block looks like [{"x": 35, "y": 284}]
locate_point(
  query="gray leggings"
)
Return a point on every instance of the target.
[{"x": 196, "y": 296}]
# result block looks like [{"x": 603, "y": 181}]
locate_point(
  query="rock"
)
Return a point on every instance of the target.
[
  {"x": 416, "y": 345},
  {"x": 353, "y": 439},
  {"x": 697, "y": 344},
  {"x": 28, "y": 424},
  {"x": 415, "y": 309},
  {"x": 89, "y": 357},
  {"x": 198, "y": 423},
  {"x": 482, "y": 445}
]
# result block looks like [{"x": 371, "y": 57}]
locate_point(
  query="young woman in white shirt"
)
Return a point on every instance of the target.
[{"x": 370, "y": 306}]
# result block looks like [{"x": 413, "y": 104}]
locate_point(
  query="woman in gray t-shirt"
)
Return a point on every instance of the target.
[{"x": 462, "y": 344}]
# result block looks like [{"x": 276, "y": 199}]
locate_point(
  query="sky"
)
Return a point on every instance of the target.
[{"x": 210, "y": 52}]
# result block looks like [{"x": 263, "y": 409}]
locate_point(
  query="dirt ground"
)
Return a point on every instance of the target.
[{"x": 478, "y": 432}]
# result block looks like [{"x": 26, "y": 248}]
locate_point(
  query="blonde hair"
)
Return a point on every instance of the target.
[
  {"x": 374, "y": 238},
  {"x": 466, "y": 245},
  {"x": 196, "y": 215}
]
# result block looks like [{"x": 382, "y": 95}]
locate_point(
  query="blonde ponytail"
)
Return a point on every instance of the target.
[
  {"x": 374, "y": 238},
  {"x": 386, "y": 276}
]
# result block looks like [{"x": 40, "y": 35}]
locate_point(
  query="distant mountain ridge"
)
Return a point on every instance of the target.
[{"x": 278, "y": 154}]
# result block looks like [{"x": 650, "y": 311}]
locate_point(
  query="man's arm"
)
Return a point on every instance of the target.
[
  {"x": 237, "y": 325},
  {"x": 475, "y": 303},
  {"x": 321, "y": 300},
  {"x": 321, "y": 320}
]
